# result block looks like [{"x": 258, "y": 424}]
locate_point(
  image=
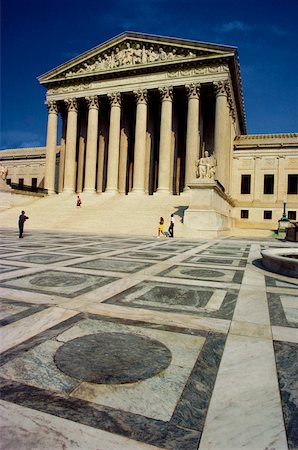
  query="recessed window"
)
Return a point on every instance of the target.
[
  {"x": 292, "y": 215},
  {"x": 8, "y": 181},
  {"x": 21, "y": 183},
  {"x": 267, "y": 215},
  {"x": 34, "y": 184},
  {"x": 244, "y": 213},
  {"x": 292, "y": 184},
  {"x": 268, "y": 184},
  {"x": 245, "y": 184}
]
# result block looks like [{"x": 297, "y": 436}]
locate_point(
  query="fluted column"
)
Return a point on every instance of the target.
[
  {"x": 192, "y": 133},
  {"x": 82, "y": 124},
  {"x": 62, "y": 153},
  {"x": 91, "y": 151},
  {"x": 140, "y": 142},
  {"x": 165, "y": 143},
  {"x": 222, "y": 132},
  {"x": 114, "y": 141},
  {"x": 71, "y": 144},
  {"x": 49, "y": 182}
]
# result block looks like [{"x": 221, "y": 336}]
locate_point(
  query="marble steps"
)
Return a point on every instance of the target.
[{"x": 106, "y": 213}]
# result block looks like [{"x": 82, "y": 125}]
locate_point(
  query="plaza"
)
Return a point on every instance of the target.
[{"x": 126, "y": 341}]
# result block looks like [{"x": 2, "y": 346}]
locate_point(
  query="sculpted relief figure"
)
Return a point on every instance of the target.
[
  {"x": 206, "y": 167},
  {"x": 3, "y": 172},
  {"x": 128, "y": 56}
]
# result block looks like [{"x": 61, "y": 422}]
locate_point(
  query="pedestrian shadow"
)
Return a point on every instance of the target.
[{"x": 180, "y": 211}]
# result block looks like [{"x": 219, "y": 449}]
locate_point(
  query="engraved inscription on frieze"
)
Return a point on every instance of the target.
[
  {"x": 292, "y": 163},
  {"x": 268, "y": 163},
  {"x": 130, "y": 54}
]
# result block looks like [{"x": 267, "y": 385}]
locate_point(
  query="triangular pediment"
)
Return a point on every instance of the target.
[{"x": 133, "y": 51}]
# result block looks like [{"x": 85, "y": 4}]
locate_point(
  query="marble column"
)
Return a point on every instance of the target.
[
  {"x": 49, "y": 182},
  {"x": 165, "y": 142},
  {"x": 222, "y": 132},
  {"x": 91, "y": 150},
  {"x": 114, "y": 142},
  {"x": 140, "y": 142},
  {"x": 62, "y": 153},
  {"x": 71, "y": 145},
  {"x": 81, "y": 151},
  {"x": 192, "y": 133},
  {"x": 100, "y": 159},
  {"x": 123, "y": 160}
]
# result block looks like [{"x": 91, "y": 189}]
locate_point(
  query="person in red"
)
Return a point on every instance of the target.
[
  {"x": 22, "y": 220},
  {"x": 79, "y": 202}
]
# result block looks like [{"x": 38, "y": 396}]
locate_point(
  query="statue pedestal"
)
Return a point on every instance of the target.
[
  {"x": 209, "y": 210},
  {"x": 5, "y": 195}
]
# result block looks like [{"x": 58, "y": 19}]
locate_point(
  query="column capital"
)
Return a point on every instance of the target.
[
  {"x": 52, "y": 106},
  {"x": 92, "y": 102},
  {"x": 114, "y": 98},
  {"x": 221, "y": 87},
  {"x": 71, "y": 104},
  {"x": 193, "y": 90},
  {"x": 141, "y": 96},
  {"x": 166, "y": 93}
]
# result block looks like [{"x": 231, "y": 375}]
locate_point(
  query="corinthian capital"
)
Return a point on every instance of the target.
[
  {"x": 92, "y": 102},
  {"x": 115, "y": 98},
  {"x": 193, "y": 90},
  {"x": 166, "y": 93},
  {"x": 52, "y": 106},
  {"x": 221, "y": 87},
  {"x": 141, "y": 95},
  {"x": 71, "y": 104}
]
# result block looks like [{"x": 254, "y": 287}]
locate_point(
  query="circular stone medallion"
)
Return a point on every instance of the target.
[{"x": 112, "y": 358}]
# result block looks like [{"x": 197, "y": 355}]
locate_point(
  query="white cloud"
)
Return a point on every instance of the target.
[
  {"x": 235, "y": 25},
  {"x": 20, "y": 139}
]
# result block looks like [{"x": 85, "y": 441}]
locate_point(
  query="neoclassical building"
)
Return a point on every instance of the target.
[{"x": 138, "y": 113}]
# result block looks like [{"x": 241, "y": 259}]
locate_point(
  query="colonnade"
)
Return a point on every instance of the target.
[{"x": 75, "y": 166}]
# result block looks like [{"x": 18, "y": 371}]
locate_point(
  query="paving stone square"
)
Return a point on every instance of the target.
[{"x": 147, "y": 343}]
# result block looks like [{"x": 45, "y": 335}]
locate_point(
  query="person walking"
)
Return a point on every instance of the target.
[
  {"x": 171, "y": 226},
  {"x": 79, "y": 201},
  {"x": 160, "y": 227},
  {"x": 22, "y": 220}
]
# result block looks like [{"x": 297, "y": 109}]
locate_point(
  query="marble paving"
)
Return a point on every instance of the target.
[{"x": 124, "y": 342}]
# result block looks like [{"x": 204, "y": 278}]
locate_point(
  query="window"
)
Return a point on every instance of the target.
[
  {"x": 245, "y": 184},
  {"x": 244, "y": 213},
  {"x": 292, "y": 215},
  {"x": 268, "y": 184},
  {"x": 8, "y": 181},
  {"x": 267, "y": 215},
  {"x": 292, "y": 184},
  {"x": 34, "y": 184},
  {"x": 21, "y": 183}
]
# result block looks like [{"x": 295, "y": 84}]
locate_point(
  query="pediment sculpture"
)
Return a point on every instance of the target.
[{"x": 131, "y": 54}]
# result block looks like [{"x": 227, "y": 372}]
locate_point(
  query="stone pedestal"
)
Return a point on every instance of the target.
[
  {"x": 209, "y": 208},
  {"x": 5, "y": 195}
]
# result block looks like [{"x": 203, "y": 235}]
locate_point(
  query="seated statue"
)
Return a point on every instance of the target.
[
  {"x": 206, "y": 166},
  {"x": 3, "y": 172}
]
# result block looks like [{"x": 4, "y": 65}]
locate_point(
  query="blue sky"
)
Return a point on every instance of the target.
[{"x": 40, "y": 35}]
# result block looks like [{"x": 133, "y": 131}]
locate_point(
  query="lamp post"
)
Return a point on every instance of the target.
[
  {"x": 284, "y": 221},
  {"x": 284, "y": 215}
]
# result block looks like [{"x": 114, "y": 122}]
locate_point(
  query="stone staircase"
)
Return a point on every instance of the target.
[{"x": 103, "y": 214}]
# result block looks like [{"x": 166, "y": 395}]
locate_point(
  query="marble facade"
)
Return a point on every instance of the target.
[
  {"x": 136, "y": 115},
  {"x": 138, "y": 110}
]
